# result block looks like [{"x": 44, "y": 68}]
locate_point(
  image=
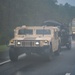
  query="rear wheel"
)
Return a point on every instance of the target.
[
  {"x": 13, "y": 54},
  {"x": 58, "y": 51},
  {"x": 68, "y": 46}
]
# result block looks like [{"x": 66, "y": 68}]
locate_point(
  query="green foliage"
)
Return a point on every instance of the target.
[
  {"x": 30, "y": 12},
  {"x": 3, "y": 48}
]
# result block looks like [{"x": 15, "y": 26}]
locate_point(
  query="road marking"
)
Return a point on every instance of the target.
[
  {"x": 5, "y": 62},
  {"x": 68, "y": 74},
  {"x": 22, "y": 55}
]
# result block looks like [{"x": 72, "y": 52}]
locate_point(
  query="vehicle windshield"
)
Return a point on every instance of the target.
[
  {"x": 43, "y": 31},
  {"x": 25, "y": 31}
]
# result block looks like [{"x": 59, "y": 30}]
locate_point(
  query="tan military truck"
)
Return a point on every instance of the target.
[
  {"x": 42, "y": 40},
  {"x": 73, "y": 32}
]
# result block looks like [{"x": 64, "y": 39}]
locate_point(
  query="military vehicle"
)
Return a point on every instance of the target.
[
  {"x": 73, "y": 32},
  {"x": 65, "y": 32},
  {"x": 42, "y": 40},
  {"x": 73, "y": 28}
]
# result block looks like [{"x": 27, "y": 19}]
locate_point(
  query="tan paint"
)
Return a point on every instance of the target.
[{"x": 42, "y": 38}]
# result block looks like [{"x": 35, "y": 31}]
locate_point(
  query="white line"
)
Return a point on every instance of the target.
[
  {"x": 68, "y": 74},
  {"x": 22, "y": 55},
  {"x": 5, "y": 62},
  {"x": 10, "y": 60}
]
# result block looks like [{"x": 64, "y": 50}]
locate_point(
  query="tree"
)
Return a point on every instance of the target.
[{"x": 15, "y": 13}]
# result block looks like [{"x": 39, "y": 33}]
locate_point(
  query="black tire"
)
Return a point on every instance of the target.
[
  {"x": 58, "y": 51},
  {"x": 13, "y": 54},
  {"x": 49, "y": 55},
  {"x": 68, "y": 46}
]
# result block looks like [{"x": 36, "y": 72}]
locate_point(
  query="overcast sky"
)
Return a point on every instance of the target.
[{"x": 71, "y": 2}]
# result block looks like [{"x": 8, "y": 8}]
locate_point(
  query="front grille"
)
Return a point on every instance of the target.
[{"x": 26, "y": 44}]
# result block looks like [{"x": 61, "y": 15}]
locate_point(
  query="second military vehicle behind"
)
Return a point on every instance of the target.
[{"x": 65, "y": 32}]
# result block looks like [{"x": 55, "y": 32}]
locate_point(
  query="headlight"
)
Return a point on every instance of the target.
[
  {"x": 18, "y": 42},
  {"x": 37, "y": 43}
]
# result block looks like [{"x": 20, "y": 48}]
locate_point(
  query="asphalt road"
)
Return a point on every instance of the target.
[{"x": 60, "y": 65}]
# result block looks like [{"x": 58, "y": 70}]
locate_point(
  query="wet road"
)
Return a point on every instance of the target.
[
  {"x": 60, "y": 65},
  {"x": 4, "y": 56}
]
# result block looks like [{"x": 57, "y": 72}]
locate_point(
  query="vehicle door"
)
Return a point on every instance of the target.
[{"x": 55, "y": 41}]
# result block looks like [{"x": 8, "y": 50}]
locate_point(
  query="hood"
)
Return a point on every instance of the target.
[
  {"x": 34, "y": 38},
  {"x": 25, "y": 38},
  {"x": 43, "y": 38}
]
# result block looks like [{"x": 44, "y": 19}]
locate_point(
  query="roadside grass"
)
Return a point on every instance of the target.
[{"x": 3, "y": 48}]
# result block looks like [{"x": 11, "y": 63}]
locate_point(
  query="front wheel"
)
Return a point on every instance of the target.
[
  {"x": 49, "y": 54},
  {"x": 13, "y": 54}
]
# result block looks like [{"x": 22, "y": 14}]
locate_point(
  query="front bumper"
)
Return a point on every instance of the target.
[{"x": 32, "y": 49}]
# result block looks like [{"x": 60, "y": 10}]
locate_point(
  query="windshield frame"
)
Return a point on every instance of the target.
[
  {"x": 43, "y": 32},
  {"x": 25, "y": 32}
]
